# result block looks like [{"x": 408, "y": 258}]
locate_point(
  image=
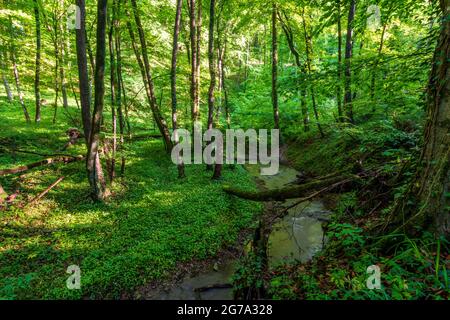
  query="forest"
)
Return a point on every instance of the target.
[{"x": 347, "y": 101}]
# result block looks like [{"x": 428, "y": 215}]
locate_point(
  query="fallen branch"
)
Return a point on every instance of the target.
[
  {"x": 288, "y": 192},
  {"x": 44, "y": 162},
  {"x": 43, "y": 193},
  {"x": 214, "y": 286}
]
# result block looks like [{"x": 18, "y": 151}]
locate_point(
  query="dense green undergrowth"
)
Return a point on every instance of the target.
[
  {"x": 152, "y": 223},
  {"x": 411, "y": 268}
]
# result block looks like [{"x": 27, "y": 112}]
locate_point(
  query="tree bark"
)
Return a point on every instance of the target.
[
  {"x": 339, "y": 68},
  {"x": 160, "y": 122},
  {"x": 276, "y": 114},
  {"x": 37, "y": 92},
  {"x": 309, "y": 52},
  {"x": 114, "y": 88},
  {"x": 195, "y": 95},
  {"x": 432, "y": 185},
  {"x": 83, "y": 75},
  {"x": 348, "y": 98},
  {"x": 173, "y": 82},
  {"x": 8, "y": 91},
  {"x": 285, "y": 24},
  {"x": 94, "y": 169},
  {"x": 375, "y": 69},
  {"x": 16, "y": 77}
]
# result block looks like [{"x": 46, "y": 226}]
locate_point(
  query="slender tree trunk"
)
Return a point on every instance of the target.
[
  {"x": 114, "y": 88},
  {"x": 16, "y": 77},
  {"x": 173, "y": 81},
  {"x": 195, "y": 102},
  {"x": 212, "y": 86},
  {"x": 309, "y": 52},
  {"x": 348, "y": 98},
  {"x": 160, "y": 122},
  {"x": 375, "y": 69},
  {"x": 199, "y": 51},
  {"x": 224, "y": 88},
  {"x": 57, "y": 60},
  {"x": 94, "y": 169},
  {"x": 83, "y": 75},
  {"x": 120, "y": 84},
  {"x": 339, "y": 71},
  {"x": 8, "y": 91},
  {"x": 275, "y": 68},
  {"x": 285, "y": 24},
  {"x": 62, "y": 62},
  {"x": 37, "y": 91}
]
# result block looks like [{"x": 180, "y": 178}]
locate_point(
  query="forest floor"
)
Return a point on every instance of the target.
[
  {"x": 151, "y": 225},
  {"x": 155, "y": 230}
]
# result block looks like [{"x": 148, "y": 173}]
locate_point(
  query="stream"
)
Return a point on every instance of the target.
[{"x": 297, "y": 236}]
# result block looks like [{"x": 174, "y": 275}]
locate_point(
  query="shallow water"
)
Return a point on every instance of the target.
[{"x": 298, "y": 236}]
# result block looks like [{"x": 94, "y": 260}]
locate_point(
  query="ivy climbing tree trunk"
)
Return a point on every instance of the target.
[{"x": 432, "y": 185}]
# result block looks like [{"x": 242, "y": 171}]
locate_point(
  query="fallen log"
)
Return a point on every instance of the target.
[
  {"x": 44, "y": 162},
  {"x": 291, "y": 192}
]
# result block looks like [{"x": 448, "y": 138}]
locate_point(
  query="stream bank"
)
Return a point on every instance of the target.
[{"x": 298, "y": 235}]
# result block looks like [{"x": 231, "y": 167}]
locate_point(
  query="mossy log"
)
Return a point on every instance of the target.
[{"x": 291, "y": 192}]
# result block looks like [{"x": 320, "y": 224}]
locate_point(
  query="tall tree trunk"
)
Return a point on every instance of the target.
[
  {"x": 432, "y": 185},
  {"x": 348, "y": 98},
  {"x": 120, "y": 86},
  {"x": 94, "y": 169},
  {"x": 114, "y": 88},
  {"x": 285, "y": 24},
  {"x": 62, "y": 62},
  {"x": 212, "y": 86},
  {"x": 173, "y": 82},
  {"x": 199, "y": 52},
  {"x": 375, "y": 69},
  {"x": 57, "y": 61},
  {"x": 195, "y": 98},
  {"x": 309, "y": 52},
  {"x": 339, "y": 67},
  {"x": 83, "y": 75},
  {"x": 37, "y": 92},
  {"x": 3, "y": 58},
  {"x": 16, "y": 77},
  {"x": 160, "y": 122},
  {"x": 276, "y": 114}
]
